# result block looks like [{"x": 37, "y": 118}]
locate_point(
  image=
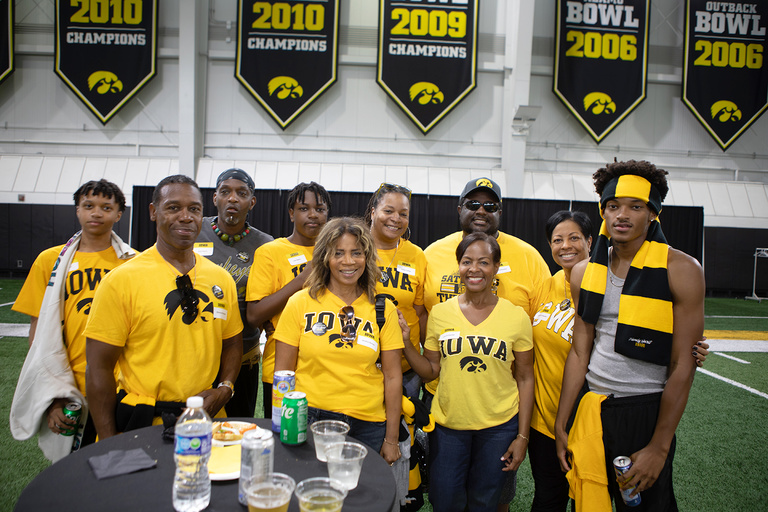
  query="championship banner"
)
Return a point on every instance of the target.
[
  {"x": 106, "y": 50},
  {"x": 427, "y": 56},
  {"x": 725, "y": 76},
  {"x": 601, "y": 60},
  {"x": 287, "y": 53},
  {"x": 6, "y": 39}
]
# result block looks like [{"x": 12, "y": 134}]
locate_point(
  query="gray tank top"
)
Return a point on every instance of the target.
[{"x": 612, "y": 373}]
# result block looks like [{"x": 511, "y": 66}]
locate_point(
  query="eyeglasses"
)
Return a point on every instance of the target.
[
  {"x": 348, "y": 329},
  {"x": 488, "y": 206},
  {"x": 189, "y": 299},
  {"x": 390, "y": 187}
]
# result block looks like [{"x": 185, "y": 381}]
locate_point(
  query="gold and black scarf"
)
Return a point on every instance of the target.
[{"x": 644, "y": 329}]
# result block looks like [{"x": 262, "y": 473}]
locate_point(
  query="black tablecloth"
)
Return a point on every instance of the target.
[{"x": 70, "y": 484}]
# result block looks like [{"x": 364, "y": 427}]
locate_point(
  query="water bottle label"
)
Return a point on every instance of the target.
[{"x": 197, "y": 445}]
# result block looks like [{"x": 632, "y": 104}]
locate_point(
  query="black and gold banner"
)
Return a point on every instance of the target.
[
  {"x": 287, "y": 53},
  {"x": 601, "y": 60},
  {"x": 106, "y": 50},
  {"x": 6, "y": 39},
  {"x": 725, "y": 76},
  {"x": 427, "y": 56}
]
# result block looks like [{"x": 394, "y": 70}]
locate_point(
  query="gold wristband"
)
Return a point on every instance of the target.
[
  {"x": 390, "y": 442},
  {"x": 521, "y": 435},
  {"x": 227, "y": 384}
]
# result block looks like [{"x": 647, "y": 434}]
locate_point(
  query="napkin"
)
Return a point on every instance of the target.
[{"x": 120, "y": 462}]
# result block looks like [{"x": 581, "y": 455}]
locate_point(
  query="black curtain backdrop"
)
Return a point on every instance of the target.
[{"x": 433, "y": 217}]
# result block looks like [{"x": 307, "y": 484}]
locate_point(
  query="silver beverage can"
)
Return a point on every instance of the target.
[
  {"x": 621, "y": 465},
  {"x": 257, "y": 458}
]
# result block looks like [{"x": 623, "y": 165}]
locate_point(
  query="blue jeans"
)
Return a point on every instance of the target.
[
  {"x": 368, "y": 432},
  {"x": 466, "y": 467}
]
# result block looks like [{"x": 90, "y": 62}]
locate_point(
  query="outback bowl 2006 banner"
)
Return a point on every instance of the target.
[
  {"x": 601, "y": 60},
  {"x": 6, "y": 38},
  {"x": 725, "y": 77},
  {"x": 106, "y": 50},
  {"x": 427, "y": 56},
  {"x": 287, "y": 53}
]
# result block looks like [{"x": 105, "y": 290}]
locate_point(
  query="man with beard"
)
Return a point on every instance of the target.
[
  {"x": 170, "y": 320},
  {"x": 521, "y": 274},
  {"x": 284, "y": 265},
  {"x": 229, "y": 241}
]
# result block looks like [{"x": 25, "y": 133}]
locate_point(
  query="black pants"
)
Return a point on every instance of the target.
[
  {"x": 628, "y": 425},
  {"x": 551, "y": 492},
  {"x": 267, "y": 386},
  {"x": 243, "y": 404}
]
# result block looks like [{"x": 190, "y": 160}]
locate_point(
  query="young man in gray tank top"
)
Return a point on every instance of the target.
[{"x": 636, "y": 354}]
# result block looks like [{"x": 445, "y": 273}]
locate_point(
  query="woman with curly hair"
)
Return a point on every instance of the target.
[{"x": 329, "y": 336}]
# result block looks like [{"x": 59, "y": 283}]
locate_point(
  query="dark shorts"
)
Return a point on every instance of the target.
[{"x": 628, "y": 425}]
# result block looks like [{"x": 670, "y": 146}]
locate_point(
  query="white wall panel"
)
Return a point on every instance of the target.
[
  {"x": 71, "y": 175},
  {"x": 159, "y": 169},
  {"x": 115, "y": 170},
  {"x": 135, "y": 174},
  {"x": 418, "y": 180},
  {"x": 440, "y": 182},
  {"x": 758, "y": 200},
  {"x": 49, "y": 175},
  {"x": 94, "y": 169},
  {"x": 701, "y": 196},
  {"x": 737, "y": 194},
  {"x": 309, "y": 172},
  {"x": 721, "y": 202},
  {"x": 287, "y": 175},
  {"x": 459, "y": 179},
  {"x": 396, "y": 174},
  {"x": 266, "y": 175},
  {"x": 352, "y": 178},
  {"x": 332, "y": 176},
  {"x": 26, "y": 178}
]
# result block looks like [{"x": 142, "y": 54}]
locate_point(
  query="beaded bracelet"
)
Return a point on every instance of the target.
[
  {"x": 390, "y": 442},
  {"x": 521, "y": 435}
]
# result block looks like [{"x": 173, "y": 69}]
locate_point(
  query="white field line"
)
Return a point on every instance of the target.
[
  {"x": 733, "y": 382},
  {"x": 6, "y": 304},
  {"x": 732, "y": 358},
  {"x": 744, "y": 317}
]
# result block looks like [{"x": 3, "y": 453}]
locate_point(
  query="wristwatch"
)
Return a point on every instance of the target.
[{"x": 227, "y": 384}]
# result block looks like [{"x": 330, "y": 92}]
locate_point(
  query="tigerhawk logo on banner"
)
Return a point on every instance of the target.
[
  {"x": 601, "y": 60},
  {"x": 106, "y": 51},
  {"x": 427, "y": 59},
  {"x": 6, "y": 40},
  {"x": 287, "y": 53},
  {"x": 725, "y": 76}
]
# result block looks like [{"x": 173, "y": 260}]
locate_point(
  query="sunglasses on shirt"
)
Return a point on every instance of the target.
[
  {"x": 348, "y": 329},
  {"x": 189, "y": 298},
  {"x": 488, "y": 206}
]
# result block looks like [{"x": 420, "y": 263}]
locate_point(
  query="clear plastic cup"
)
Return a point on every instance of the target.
[
  {"x": 326, "y": 432},
  {"x": 345, "y": 460},
  {"x": 270, "y": 492},
  {"x": 320, "y": 494}
]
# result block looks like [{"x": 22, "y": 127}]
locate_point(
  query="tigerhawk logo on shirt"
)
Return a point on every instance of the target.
[{"x": 173, "y": 302}]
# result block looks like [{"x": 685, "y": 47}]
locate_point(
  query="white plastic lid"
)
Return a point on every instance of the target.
[{"x": 194, "y": 402}]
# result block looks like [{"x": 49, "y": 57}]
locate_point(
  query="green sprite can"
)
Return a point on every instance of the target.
[
  {"x": 293, "y": 418},
  {"x": 72, "y": 411}
]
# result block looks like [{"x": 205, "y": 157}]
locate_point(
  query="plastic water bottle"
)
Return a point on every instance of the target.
[{"x": 192, "y": 486}]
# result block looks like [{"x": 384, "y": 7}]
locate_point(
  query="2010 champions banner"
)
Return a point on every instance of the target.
[
  {"x": 6, "y": 39},
  {"x": 287, "y": 53},
  {"x": 601, "y": 60},
  {"x": 106, "y": 50},
  {"x": 427, "y": 59},
  {"x": 725, "y": 76}
]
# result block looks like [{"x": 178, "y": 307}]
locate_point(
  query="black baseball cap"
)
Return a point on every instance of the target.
[
  {"x": 236, "y": 174},
  {"x": 482, "y": 184}
]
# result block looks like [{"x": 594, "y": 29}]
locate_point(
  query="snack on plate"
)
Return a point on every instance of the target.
[{"x": 231, "y": 431}]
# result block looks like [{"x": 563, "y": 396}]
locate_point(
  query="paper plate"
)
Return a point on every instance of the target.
[{"x": 224, "y": 463}]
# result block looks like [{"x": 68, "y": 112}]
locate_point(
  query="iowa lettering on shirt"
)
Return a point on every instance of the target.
[
  {"x": 82, "y": 279},
  {"x": 485, "y": 345},
  {"x": 558, "y": 321},
  {"x": 329, "y": 319},
  {"x": 396, "y": 279}
]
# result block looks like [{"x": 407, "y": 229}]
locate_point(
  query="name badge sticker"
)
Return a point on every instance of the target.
[
  {"x": 504, "y": 268},
  {"x": 449, "y": 335},
  {"x": 406, "y": 268},
  {"x": 366, "y": 341},
  {"x": 204, "y": 248},
  {"x": 220, "y": 313},
  {"x": 296, "y": 259}
]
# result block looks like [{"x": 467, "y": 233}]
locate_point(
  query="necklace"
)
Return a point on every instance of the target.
[
  {"x": 385, "y": 274},
  {"x": 566, "y": 303},
  {"x": 229, "y": 239},
  {"x": 610, "y": 272}
]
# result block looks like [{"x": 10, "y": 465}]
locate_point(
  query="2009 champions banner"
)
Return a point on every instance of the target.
[
  {"x": 287, "y": 53},
  {"x": 427, "y": 56},
  {"x": 6, "y": 38},
  {"x": 725, "y": 77},
  {"x": 601, "y": 60},
  {"x": 106, "y": 50}
]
